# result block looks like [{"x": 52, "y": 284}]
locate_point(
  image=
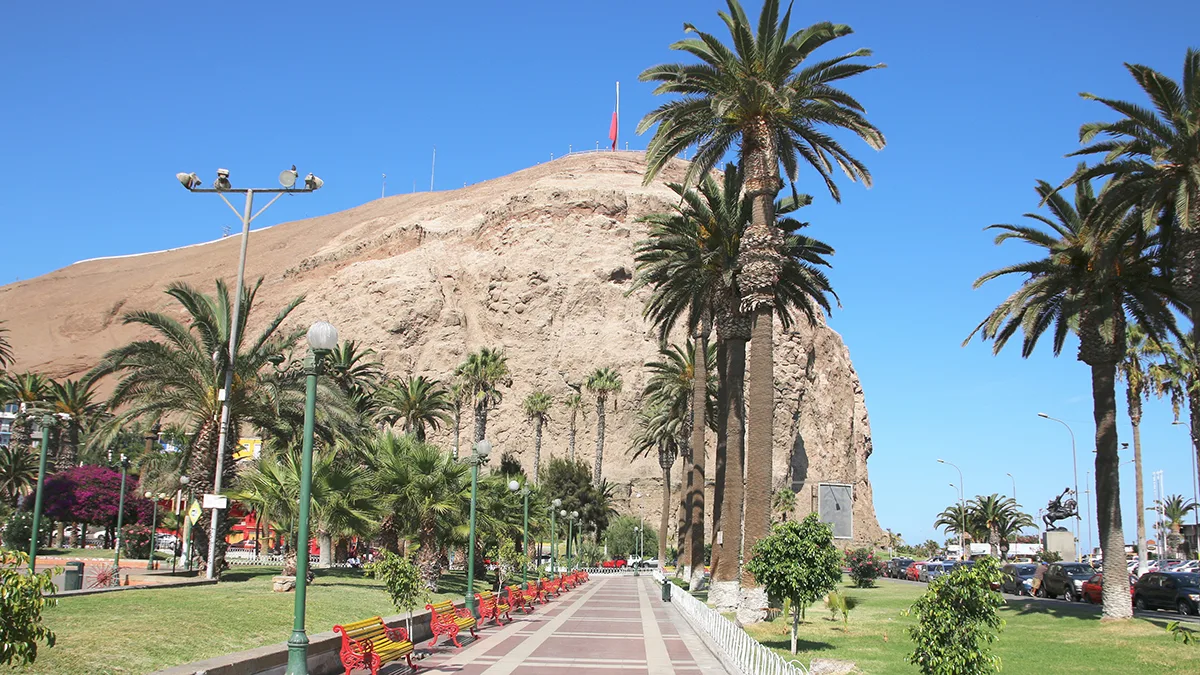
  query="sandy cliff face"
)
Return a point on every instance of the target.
[{"x": 538, "y": 262}]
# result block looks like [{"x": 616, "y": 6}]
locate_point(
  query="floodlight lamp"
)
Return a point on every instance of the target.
[
  {"x": 222, "y": 181},
  {"x": 322, "y": 336},
  {"x": 312, "y": 182},
  {"x": 1043, "y": 416},
  {"x": 513, "y": 486},
  {"x": 941, "y": 461},
  {"x": 188, "y": 180},
  {"x": 287, "y": 178}
]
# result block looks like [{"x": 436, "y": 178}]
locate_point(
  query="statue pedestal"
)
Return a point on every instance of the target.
[{"x": 1060, "y": 542}]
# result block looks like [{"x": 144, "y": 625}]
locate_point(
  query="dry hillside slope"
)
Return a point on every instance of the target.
[{"x": 537, "y": 262}]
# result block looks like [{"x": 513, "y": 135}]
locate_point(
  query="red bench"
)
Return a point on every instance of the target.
[
  {"x": 519, "y": 599},
  {"x": 534, "y": 588},
  {"x": 490, "y": 607},
  {"x": 446, "y": 619},
  {"x": 370, "y": 643}
]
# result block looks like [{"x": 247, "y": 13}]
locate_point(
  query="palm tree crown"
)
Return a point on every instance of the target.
[
  {"x": 416, "y": 402},
  {"x": 482, "y": 374},
  {"x": 603, "y": 382}
]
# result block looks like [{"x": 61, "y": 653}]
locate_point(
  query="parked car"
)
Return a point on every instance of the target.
[
  {"x": 1066, "y": 580},
  {"x": 933, "y": 570},
  {"x": 1179, "y": 591},
  {"x": 1094, "y": 587},
  {"x": 1017, "y": 579},
  {"x": 896, "y": 567},
  {"x": 913, "y": 573}
]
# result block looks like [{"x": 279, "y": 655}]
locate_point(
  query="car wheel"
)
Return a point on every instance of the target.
[
  {"x": 1072, "y": 596},
  {"x": 1040, "y": 592},
  {"x": 1087, "y": 598},
  {"x": 1139, "y": 603},
  {"x": 1184, "y": 607}
]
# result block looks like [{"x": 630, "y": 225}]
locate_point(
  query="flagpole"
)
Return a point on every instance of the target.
[{"x": 618, "y": 114}]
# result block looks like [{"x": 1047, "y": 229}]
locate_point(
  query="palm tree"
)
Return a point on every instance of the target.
[
  {"x": 537, "y": 409},
  {"x": 271, "y": 486},
  {"x": 356, "y": 373},
  {"x": 658, "y": 431},
  {"x": 18, "y": 473},
  {"x": 1174, "y": 509},
  {"x": 77, "y": 400},
  {"x": 179, "y": 375},
  {"x": 6, "y": 352},
  {"x": 576, "y": 409},
  {"x": 1094, "y": 271},
  {"x": 955, "y": 520},
  {"x": 344, "y": 502},
  {"x": 416, "y": 402},
  {"x": 1133, "y": 370},
  {"x": 996, "y": 517},
  {"x": 762, "y": 96},
  {"x": 458, "y": 396},
  {"x": 482, "y": 375},
  {"x": 29, "y": 391},
  {"x": 603, "y": 382},
  {"x": 425, "y": 493}
]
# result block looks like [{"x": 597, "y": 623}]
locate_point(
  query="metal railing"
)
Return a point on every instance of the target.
[{"x": 747, "y": 654}]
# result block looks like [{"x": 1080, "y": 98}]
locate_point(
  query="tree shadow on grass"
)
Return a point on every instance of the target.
[
  {"x": 1058, "y": 610},
  {"x": 785, "y": 643}
]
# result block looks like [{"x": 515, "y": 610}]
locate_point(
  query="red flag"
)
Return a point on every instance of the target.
[{"x": 612, "y": 131}]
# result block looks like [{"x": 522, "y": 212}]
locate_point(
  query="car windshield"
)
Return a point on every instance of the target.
[
  {"x": 1026, "y": 570},
  {"x": 1079, "y": 570}
]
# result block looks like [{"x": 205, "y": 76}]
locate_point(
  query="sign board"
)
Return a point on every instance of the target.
[
  {"x": 215, "y": 502},
  {"x": 248, "y": 448},
  {"x": 194, "y": 512},
  {"x": 835, "y": 503}
]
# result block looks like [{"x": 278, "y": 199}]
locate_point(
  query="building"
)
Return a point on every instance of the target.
[{"x": 8, "y": 414}]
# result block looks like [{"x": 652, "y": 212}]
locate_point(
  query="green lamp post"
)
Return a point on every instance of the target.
[
  {"x": 153, "y": 525},
  {"x": 514, "y": 486},
  {"x": 571, "y": 518},
  {"x": 120, "y": 521},
  {"x": 47, "y": 423},
  {"x": 479, "y": 455},
  {"x": 322, "y": 338}
]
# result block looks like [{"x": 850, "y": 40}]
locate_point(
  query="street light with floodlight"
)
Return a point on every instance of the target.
[
  {"x": 191, "y": 182},
  {"x": 553, "y": 535},
  {"x": 1074, "y": 474},
  {"x": 479, "y": 455},
  {"x": 514, "y": 486},
  {"x": 47, "y": 423},
  {"x": 322, "y": 339},
  {"x": 962, "y": 504}
]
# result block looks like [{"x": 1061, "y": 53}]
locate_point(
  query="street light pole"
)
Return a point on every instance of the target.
[
  {"x": 322, "y": 338},
  {"x": 553, "y": 535},
  {"x": 47, "y": 422},
  {"x": 478, "y": 456},
  {"x": 514, "y": 486},
  {"x": 1014, "y": 483},
  {"x": 1087, "y": 491},
  {"x": 192, "y": 183},
  {"x": 1074, "y": 474},
  {"x": 962, "y": 497},
  {"x": 120, "y": 522},
  {"x": 153, "y": 526}
]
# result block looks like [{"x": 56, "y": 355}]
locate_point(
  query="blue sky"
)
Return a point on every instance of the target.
[{"x": 104, "y": 102}]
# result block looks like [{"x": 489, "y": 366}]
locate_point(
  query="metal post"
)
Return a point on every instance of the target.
[
  {"x": 120, "y": 522},
  {"x": 47, "y": 421},
  {"x": 222, "y": 435},
  {"x": 553, "y": 541},
  {"x": 1074, "y": 475},
  {"x": 153, "y": 527},
  {"x": 187, "y": 534},
  {"x": 1087, "y": 490},
  {"x": 1014, "y": 483},
  {"x": 298, "y": 642},
  {"x": 471, "y": 535},
  {"x": 525, "y": 536}
]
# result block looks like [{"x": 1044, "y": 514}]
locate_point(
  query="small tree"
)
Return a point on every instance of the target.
[
  {"x": 22, "y": 597},
  {"x": 864, "y": 567},
  {"x": 956, "y": 620},
  {"x": 511, "y": 561},
  {"x": 402, "y": 580},
  {"x": 18, "y": 530},
  {"x": 797, "y": 561}
]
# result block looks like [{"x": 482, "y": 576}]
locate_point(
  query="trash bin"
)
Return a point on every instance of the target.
[
  {"x": 73, "y": 577},
  {"x": 666, "y": 590}
]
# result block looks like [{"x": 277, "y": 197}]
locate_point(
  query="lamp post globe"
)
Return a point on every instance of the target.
[{"x": 322, "y": 336}]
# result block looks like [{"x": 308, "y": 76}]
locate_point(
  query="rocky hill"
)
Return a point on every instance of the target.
[{"x": 538, "y": 262}]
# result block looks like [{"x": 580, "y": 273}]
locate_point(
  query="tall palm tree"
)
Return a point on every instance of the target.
[
  {"x": 991, "y": 513},
  {"x": 1153, "y": 156},
  {"x": 6, "y": 352},
  {"x": 178, "y": 375},
  {"x": 29, "y": 391},
  {"x": 764, "y": 97},
  {"x": 658, "y": 431},
  {"x": 537, "y": 410},
  {"x": 1133, "y": 370},
  {"x": 575, "y": 410},
  {"x": 416, "y": 402},
  {"x": 357, "y": 373},
  {"x": 603, "y": 383},
  {"x": 18, "y": 473},
  {"x": 482, "y": 374},
  {"x": 1094, "y": 271},
  {"x": 955, "y": 520},
  {"x": 458, "y": 396},
  {"x": 77, "y": 399},
  {"x": 344, "y": 501},
  {"x": 1174, "y": 509}
]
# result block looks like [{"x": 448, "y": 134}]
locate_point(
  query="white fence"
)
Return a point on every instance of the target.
[{"x": 743, "y": 651}]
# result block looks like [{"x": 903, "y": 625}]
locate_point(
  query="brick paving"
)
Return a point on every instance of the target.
[{"x": 609, "y": 626}]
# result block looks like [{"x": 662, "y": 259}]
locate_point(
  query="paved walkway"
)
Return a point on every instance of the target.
[{"x": 608, "y": 626}]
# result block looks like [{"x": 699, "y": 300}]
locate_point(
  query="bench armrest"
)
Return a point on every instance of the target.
[
  {"x": 463, "y": 612},
  {"x": 398, "y": 634}
]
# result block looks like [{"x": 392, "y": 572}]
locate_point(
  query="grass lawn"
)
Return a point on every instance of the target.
[
  {"x": 1056, "y": 638},
  {"x": 142, "y": 631},
  {"x": 104, "y": 553}
]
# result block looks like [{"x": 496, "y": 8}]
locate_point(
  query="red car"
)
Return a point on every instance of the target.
[
  {"x": 1093, "y": 587},
  {"x": 913, "y": 571}
]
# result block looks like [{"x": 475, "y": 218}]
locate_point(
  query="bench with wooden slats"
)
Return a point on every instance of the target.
[
  {"x": 491, "y": 607},
  {"x": 446, "y": 619},
  {"x": 519, "y": 599},
  {"x": 370, "y": 643},
  {"x": 534, "y": 591}
]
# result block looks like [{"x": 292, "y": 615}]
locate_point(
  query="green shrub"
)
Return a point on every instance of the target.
[
  {"x": 839, "y": 603},
  {"x": 22, "y": 597},
  {"x": 135, "y": 541},
  {"x": 864, "y": 567},
  {"x": 18, "y": 530},
  {"x": 956, "y": 621},
  {"x": 402, "y": 579}
]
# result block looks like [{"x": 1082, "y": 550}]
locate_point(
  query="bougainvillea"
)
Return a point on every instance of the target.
[{"x": 90, "y": 494}]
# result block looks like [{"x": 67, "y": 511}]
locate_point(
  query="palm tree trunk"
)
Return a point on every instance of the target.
[
  {"x": 1135, "y": 419},
  {"x": 699, "y": 405},
  {"x": 760, "y": 263},
  {"x": 481, "y": 420},
  {"x": 732, "y": 427},
  {"x": 719, "y": 464},
  {"x": 537, "y": 446},
  {"x": 457, "y": 427},
  {"x": 1115, "y": 592},
  {"x": 325, "y": 542},
  {"x": 571, "y": 439},
  {"x": 664, "y": 521},
  {"x": 994, "y": 541},
  {"x": 599, "y": 439}
]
